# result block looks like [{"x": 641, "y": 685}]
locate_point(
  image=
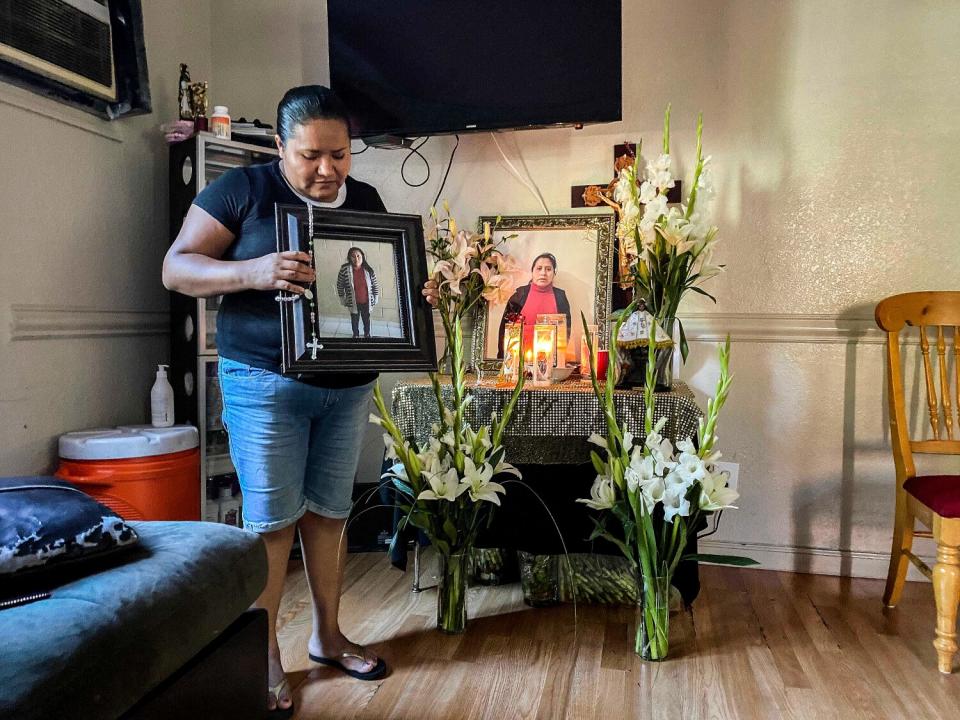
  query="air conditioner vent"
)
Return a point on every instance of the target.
[{"x": 69, "y": 41}]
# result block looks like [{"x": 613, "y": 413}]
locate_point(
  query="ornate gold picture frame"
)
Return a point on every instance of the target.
[{"x": 583, "y": 248}]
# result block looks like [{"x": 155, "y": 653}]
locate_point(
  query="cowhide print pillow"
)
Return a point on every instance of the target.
[{"x": 46, "y": 522}]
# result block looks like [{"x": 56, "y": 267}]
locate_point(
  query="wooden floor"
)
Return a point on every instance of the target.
[{"x": 758, "y": 644}]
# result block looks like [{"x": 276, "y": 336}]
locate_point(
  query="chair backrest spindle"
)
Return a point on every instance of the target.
[
  {"x": 944, "y": 382},
  {"x": 932, "y": 405}
]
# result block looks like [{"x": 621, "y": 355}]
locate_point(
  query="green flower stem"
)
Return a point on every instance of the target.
[{"x": 692, "y": 197}]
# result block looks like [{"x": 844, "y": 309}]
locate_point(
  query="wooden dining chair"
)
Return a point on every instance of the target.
[{"x": 934, "y": 500}]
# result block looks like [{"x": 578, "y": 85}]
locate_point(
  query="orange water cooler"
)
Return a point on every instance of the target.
[{"x": 140, "y": 472}]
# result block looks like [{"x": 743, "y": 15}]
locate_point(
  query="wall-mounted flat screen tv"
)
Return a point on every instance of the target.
[{"x": 423, "y": 67}]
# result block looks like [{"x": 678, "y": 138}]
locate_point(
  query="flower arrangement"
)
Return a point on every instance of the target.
[
  {"x": 447, "y": 488},
  {"x": 668, "y": 251},
  {"x": 657, "y": 493}
]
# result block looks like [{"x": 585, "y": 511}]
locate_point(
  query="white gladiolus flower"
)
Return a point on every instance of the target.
[
  {"x": 686, "y": 446},
  {"x": 674, "y": 503},
  {"x": 445, "y": 486},
  {"x": 661, "y": 450},
  {"x": 647, "y": 192},
  {"x": 448, "y": 417},
  {"x": 690, "y": 467},
  {"x": 448, "y": 439},
  {"x": 603, "y": 494},
  {"x": 653, "y": 492}
]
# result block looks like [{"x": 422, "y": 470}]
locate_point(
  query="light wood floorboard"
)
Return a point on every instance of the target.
[{"x": 758, "y": 644}]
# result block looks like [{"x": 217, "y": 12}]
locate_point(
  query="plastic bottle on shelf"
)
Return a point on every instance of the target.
[
  {"x": 161, "y": 399},
  {"x": 220, "y": 122}
]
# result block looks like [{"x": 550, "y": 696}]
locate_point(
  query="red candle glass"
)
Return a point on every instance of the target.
[{"x": 602, "y": 360}]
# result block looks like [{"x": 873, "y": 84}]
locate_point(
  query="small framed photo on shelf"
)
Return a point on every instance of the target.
[
  {"x": 567, "y": 262},
  {"x": 364, "y": 311}
]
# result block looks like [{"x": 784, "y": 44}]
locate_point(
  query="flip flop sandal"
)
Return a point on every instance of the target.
[
  {"x": 374, "y": 673},
  {"x": 279, "y": 713}
]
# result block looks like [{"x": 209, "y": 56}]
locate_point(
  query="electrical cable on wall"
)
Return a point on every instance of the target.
[
  {"x": 531, "y": 186},
  {"x": 415, "y": 150},
  {"x": 449, "y": 165}
]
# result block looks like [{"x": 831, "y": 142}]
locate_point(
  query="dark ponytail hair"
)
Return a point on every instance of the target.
[{"x": 302, "y": 104}]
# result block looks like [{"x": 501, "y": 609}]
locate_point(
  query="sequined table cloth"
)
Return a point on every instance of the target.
[{"x": 550, "y": 424}]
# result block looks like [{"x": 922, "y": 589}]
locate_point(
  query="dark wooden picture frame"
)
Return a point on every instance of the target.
[{"x": 402, "y": 342}]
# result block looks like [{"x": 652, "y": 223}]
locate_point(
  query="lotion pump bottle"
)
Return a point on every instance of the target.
[{"x": 161, "y": 399}]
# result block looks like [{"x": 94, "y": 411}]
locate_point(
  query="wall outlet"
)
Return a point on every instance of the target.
[{"x": 734, "y": 470}]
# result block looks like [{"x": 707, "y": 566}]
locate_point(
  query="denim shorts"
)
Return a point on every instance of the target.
[{"x": 295, "y": 447}]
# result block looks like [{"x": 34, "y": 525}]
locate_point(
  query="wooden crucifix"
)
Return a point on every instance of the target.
[{"x": 581, "y": 196}]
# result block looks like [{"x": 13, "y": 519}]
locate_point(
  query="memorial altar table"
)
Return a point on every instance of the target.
[{"x": 550, "y": 424}]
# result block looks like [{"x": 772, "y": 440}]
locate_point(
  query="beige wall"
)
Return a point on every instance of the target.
[
  {"x": 83, "y": 230},
  {"x": 832, "y": 131}
]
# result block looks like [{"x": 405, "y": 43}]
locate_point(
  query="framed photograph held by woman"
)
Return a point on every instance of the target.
[{"x": 365, "y": 309}]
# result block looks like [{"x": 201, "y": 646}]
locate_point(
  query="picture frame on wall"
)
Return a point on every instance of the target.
[
  {"x": 364, "y": 311},
  {"x": 582, "y": 248}
]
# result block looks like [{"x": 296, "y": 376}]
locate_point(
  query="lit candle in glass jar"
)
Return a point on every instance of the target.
[{"x": 544, "y": 347}]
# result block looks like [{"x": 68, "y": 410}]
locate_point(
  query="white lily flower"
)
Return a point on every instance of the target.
[
  {"x": 476, "y": 481},
  {"x": 597, "y": 440},
  {"x": 714, "y": 493},
  {"x": 444, "y": 486},
  {"x": 505, "y": 467},
  {"x": 390, "y": 445},
  {"x": 603, "y": 494},
  {"x": 448, "y": 439}
]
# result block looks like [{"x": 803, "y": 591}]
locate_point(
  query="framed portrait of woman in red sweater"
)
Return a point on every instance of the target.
[
  {"x": 364, "y": 311},
  {"x": 564, "y": 263}
]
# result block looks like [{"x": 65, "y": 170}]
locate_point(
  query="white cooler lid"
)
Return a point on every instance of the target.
[{"x": 127, "y": 441}]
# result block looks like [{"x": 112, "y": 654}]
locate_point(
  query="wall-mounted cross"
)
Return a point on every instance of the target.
[{"x": 624, "y": 155}]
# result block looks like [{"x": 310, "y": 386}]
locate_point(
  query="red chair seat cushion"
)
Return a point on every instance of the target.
[{"x": 940, "y": 493}]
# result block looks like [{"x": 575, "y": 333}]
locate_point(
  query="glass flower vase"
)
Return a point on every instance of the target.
[
  {"x": 653, "y": 616},
  {"x": 663, "y": 358},
  {"x": 452, "y": 592}
]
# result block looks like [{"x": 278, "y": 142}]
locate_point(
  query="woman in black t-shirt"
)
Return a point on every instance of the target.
[{"x": 295, "y": 444}]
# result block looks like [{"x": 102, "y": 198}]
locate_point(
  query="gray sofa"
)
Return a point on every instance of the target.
[{"x": 161, "y": 632}]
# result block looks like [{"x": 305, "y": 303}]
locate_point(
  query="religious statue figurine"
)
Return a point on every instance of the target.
[
  {"x": 183, "y": 96},
  {"x": 198, "y": 101}
]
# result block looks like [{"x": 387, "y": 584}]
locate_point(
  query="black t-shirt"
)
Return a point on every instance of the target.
[{"x": 248, "y": 324}]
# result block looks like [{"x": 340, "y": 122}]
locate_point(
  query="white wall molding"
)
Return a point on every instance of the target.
[
  {"x": 781, "y": 328},
  {"x": 818, "y": 561},
  {"x": 60, "y": 112},
  {"x": 53, "y": 322}
]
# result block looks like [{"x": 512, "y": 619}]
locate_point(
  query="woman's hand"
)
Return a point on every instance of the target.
[
  {"x": 431, "y": 292},
  {"x": 280, "y": 271}
]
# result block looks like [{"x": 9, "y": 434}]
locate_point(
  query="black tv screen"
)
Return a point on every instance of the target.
[{"x": 422, "y": 67}]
